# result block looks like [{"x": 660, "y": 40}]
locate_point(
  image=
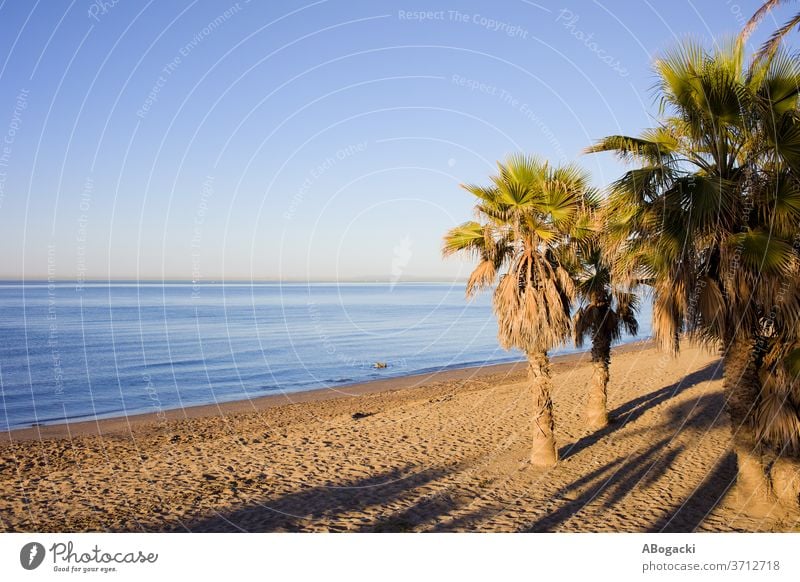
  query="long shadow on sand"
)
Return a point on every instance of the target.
[
  {"x": 633, "y": 409},
  {"x": 337, "y": 508},
  {"x": 606, "y": 486},
  {"x": 688, "y": 515},
  {"x": 318, "y": 504}
]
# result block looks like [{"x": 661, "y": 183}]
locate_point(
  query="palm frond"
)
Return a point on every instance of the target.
[
  {"x": 760, "y": 253},
  {"x": 771, "y": 46},
  {"x": 468, "y": 237},
  {"x": 757, "y": 17},
  {"x": 653, "y": 148},
  {"x": 482, "y": 276}
]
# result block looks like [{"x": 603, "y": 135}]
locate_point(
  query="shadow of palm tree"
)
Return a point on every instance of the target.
[
  {"x": 427, "y": 512},
  {"x": 633, "y": 409},
  {"x": 613, "y": 480},
  {"x": 688, "y": 515},
  {"x": 610, "y": 484},
  {"x": 300, "y": 511},
  {"x": 406, "y": 498}
]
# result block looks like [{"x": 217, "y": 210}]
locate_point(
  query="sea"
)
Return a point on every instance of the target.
[{"x": 96, "y": 350}]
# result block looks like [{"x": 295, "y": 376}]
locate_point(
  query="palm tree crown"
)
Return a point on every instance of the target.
[
  {"x": 708, "y": 214},
  {"x": 605, "y": 309},
  {"x": 525, "y": 218}
]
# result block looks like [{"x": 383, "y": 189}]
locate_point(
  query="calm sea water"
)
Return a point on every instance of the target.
[{"x": 109, "y": 350}]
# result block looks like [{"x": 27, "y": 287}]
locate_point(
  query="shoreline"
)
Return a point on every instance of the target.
[
  {"x": 449, "y": 454},
  {"x": 444, "y": 455},
  {"x": 135, "y": 422}
]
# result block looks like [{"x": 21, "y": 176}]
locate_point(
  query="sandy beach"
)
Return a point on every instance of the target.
[{"x": 441, "y": 452}]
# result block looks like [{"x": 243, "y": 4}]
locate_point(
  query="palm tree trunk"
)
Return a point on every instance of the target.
[
  {"x": 742, "y": 388},
  {"x": 596, "y": 409},
  {"x": 784, "y": 477},
  {"x": 543, "y": 452}
]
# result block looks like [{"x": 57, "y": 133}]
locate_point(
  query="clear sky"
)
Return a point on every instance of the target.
[{"x": 301, "y": 140}]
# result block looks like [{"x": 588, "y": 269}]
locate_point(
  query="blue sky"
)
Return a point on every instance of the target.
[{"x": 293, "y": 140}]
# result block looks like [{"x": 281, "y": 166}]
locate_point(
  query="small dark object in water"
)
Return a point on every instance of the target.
[{"x": 360, "y": 415}]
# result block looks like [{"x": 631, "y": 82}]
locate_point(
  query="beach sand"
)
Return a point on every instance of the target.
[{"x": 440, "y": 452}]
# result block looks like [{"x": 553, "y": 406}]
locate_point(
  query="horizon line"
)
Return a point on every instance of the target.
[{"x": 220, "y": 281}]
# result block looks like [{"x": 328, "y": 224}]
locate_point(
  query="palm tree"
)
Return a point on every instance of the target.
[
  {"x": 605, "y": 310},
  {"x": 524, "y": 216},
  {"x": 709, "y": 216}
]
